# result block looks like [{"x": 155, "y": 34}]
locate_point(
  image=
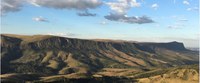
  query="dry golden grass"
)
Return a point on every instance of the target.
[
  {"x": 162, "y": 80},
  {"x": 157, "y": 60},
  {"x": 124, "y": 58},
  {"x": 48, "y": 56},
  {"x": 175, "y": 76},
  {"x": 7, "y": 75},
  {"x": 30, "y": 38},
  {"x": 72, "y": 62},
  {"x": 172, "y": 55},
  {"x": 130, "y": 58},
  {"x": 64, "y": 70},
  {"x": 116, "y": 72},
  {"x": 72, "y": 75},
  {"x": 53, "y": 64},
  {"x": 63, "y": 55},
  {"x": 119, "y": 59}
]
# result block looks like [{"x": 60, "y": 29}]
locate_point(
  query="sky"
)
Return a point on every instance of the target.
[{"x": 132, "y": 20}]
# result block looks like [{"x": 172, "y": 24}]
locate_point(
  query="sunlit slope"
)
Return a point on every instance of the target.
[{"x": 54, "y": 55}]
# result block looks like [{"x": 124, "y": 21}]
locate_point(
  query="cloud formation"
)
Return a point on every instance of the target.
[
  {"x": 103, "y": 22},
  {"x": 81, "y": 5},
  {"x": 40, "y": 19},
  {"x": 155, "y": 6},
  {"x": 86, "y": 13},
  {"x": 126, "y": 19},
  {"x": 193, "y": 9},
  {"x": 176, "y": 26},
  {"x": 173, "y": 26},
  {"x": 120, "y": 9},
  {"x": 183, "y": 19},
  {"x": 186, "y": 2},
  {"x": 68, "y": 4},
  {"x": 122, "y": 6},
  {"x": 10, "y": 6},
  {"x": 63, "y": 34}
]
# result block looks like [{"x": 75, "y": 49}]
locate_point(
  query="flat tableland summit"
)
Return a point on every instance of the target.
[{"x": 45, "y": 58}]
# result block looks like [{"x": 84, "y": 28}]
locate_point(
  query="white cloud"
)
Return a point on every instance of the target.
[
  {"x": 177, "y": 25},
  {"x": 10, "y": 6},
  {"x": 134, "y": 3},
  {"x": 154, "y": 6},
  {"x": 33, "y": 3},
  {"x": 62, "y": 34},
  {"x": 180, "y": 18},
  {"x": 183, "y": 19},
  {"x": 127, "y": 19},
  {"x": 67, "y": 4},
  {"x": 103, "y": 23},
  {"x": 173, "y": 26},
  {"x": 16, "y": 5},
  {"x": 119, "y": 12},
  {"x": 40, "y": 19},
  {"x": 193, "y": 9},
  {"x": 122, "y": 6},
  {"x": 86, "y": 13},
  {"x": 186, "y": 2},
  {"x": 189, "y": 9}
]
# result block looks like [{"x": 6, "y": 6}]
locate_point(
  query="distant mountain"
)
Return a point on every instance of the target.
[
  {"x": 193, "y": 48},
  {"x": 76, "y": 58}
]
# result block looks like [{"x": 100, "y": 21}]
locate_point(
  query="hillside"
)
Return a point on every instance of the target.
[
  {"x": 181, "y": 74},
  {"x": 78, "y": 58}
]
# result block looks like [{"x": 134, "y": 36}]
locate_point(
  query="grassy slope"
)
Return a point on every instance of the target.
[
  {"x": 59, "y": 56},
  {"x": 185, "y": 74}
]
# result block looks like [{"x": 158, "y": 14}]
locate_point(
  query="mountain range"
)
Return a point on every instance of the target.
[{"x": 43, "y": 57}]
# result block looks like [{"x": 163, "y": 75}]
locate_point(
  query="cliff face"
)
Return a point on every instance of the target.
[
  {"x": 59, "y": 55},
  {"x": 176, "y": 46}
]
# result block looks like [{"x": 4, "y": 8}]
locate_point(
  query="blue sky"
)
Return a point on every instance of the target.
[{"x": 136, "y": 20}]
